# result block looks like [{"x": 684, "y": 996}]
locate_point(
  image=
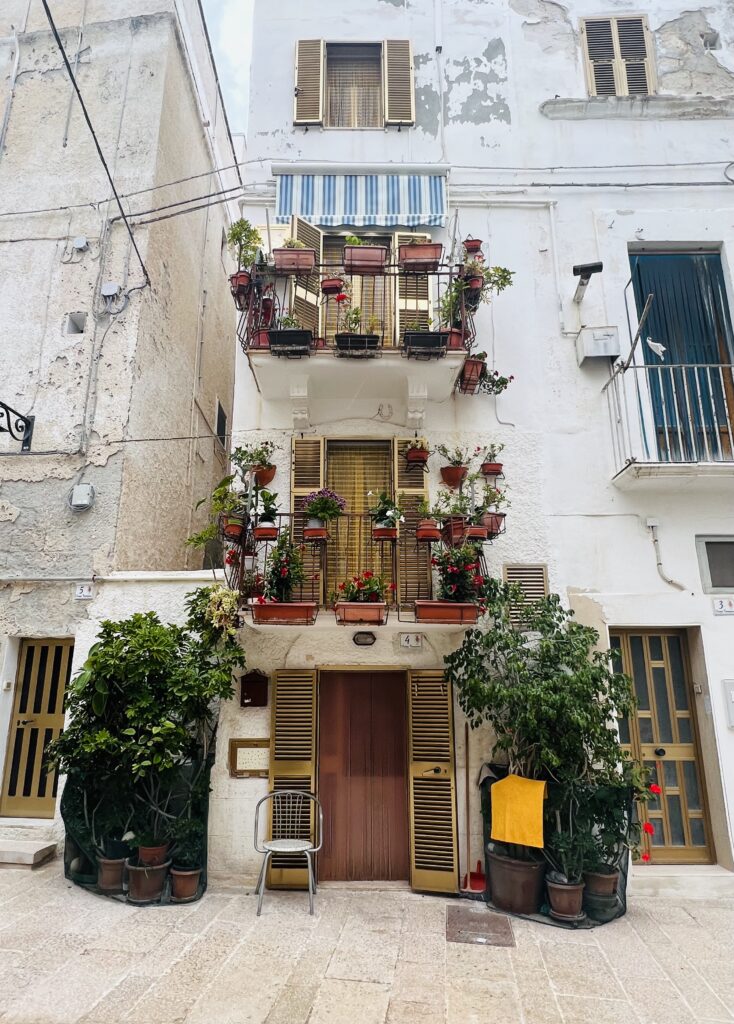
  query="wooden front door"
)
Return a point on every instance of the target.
[
  {"x": 362, "y": 776},
  {"x": 663, "y": 735},
  {"x": 44, "y": 668}
]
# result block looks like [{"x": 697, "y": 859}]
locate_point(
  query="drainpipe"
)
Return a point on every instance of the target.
[{"x": 652, "y": 525}]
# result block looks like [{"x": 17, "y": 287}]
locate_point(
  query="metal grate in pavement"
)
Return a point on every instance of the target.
[{"x": 480, "y": 927}]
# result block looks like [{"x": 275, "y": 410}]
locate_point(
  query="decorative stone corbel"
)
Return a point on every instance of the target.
[
  {"x": 417, "y": 399},
  {"x": 299, "y": 404}
]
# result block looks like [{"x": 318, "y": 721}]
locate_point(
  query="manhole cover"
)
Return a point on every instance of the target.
[{"x": 479, "y": 927}]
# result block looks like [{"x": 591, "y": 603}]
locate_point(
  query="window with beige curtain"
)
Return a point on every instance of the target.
[{"x": 354, "y": 86}]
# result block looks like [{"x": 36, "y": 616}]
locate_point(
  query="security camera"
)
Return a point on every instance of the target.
[{"x": 583, "y": 272}]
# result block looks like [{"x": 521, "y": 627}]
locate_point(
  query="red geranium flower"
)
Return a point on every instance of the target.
[
  {"x": 341, "y": 297},
  {"x": 342, "y": 586},
  {"x": 283, "y": 572},
  {"x": 647, "y": 827},
  {"x": 360, "y": 585},
  {"x": 261, "y": 600},
  {"x": 392, "y": 586},
  {"x": 645, "y": 857},
  {"x": 452, "y": 588},
  {"x": 367, "y": 574},
  {"x": 654, "y": 788}
]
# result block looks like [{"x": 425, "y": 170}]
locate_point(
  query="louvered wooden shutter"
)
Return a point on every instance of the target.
[
  {"x": 398, "y": 78},
  {"x": 309, "y": 101},
  {"x": 532, "y": 580},
  {"x": 619, "y": 57},
  {"x": 413, "y": 303},
  {"x": 307, "y": 474},
  {"x": 433, "y": 854},
  {"x": 414, "y": 569},
  {"x": 292, "y": 763},
  {"x": 305, "y": 293}
]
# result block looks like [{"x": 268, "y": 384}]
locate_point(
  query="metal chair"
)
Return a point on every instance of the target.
[{"x": 291, "y": 831}]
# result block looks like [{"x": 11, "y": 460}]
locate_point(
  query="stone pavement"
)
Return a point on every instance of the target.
[{"x": 366, "y": 957}]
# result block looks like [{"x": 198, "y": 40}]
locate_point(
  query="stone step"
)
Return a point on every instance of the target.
[
  {"x": 692, "y": 881},
  {"x": 27, "y": 853}
]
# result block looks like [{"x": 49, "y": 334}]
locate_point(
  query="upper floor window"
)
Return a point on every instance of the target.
[
  {"x": 716, "y": 559},
  {"x": 354, "y": 85},
  {"x": 618, "y": 54}
]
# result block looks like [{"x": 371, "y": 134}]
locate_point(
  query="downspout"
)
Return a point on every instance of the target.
[{"x": 652, "y": 525}]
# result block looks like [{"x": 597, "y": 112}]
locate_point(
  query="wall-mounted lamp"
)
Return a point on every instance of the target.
[
  {"x": 363, "y": 638},
  {"x": 583, "y": 272}
]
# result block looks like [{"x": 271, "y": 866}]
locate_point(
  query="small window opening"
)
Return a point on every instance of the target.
[
  {"x": 75, "y": 323},
  {"x": 221, "y": 425},
  {"x": 711, "y": 40}
]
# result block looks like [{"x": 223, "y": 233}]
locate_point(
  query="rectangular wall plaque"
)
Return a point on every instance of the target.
[{"x": 249, "y": 759}]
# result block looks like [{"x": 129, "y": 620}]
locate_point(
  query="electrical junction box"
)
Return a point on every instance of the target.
[
  {"x": 597, "y": 343},
  {"x": 729, "y": 700},
  {"x": 81, "y": 498}
]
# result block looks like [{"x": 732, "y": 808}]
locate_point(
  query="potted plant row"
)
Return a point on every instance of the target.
[
  {"x": 460, "y": 588},
  {"x": 321, "y": 508},
  {"x": 459, "y": 461},
  {"x": 284, "y": 571},
  {"x": 362, "y": 599}
]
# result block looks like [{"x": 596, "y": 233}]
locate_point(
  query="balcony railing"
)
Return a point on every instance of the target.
[
  {"x": 398, "y": 310},
  {"x": 672, "y": 414}
]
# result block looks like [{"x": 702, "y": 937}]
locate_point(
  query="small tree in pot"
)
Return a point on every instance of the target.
[
  {"x": 187, "y": 851},
  {"x": 245, "y": 241}
]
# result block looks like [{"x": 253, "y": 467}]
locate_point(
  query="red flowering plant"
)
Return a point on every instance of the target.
[
  {"x": 459, "y": 574},
  {"x": 283, "y": 570},
  {"x": 367, "y": 586}
]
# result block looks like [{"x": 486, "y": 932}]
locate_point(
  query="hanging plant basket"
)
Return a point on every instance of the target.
[
  {"x": 427, "y": 531},
  {"x": 495, "y": 523},
  {"x": 294, "y": 261},
  {"x": 479, "y": 533},
  {"x": 239, "y": 285},
  {"x": 418, "y": 456},
  {"x": 265, "y": 531},
  {"x": 453, "y": 476},
  {"x": 473, "y": 245},
  {"x": 475, "y": 282},
  {"x": 372, "y": 612},
  {"x": 471, "y": 375},
  {"x": 285, "y": 613},
  {"x": 455, "y": 339},
  {"x": 449, "y": 612},
  {"x": 315, "y": 530},
  {"x": 421, "y": 257},
  {"x": 491, "y": 469},
  {"x": 365, "y": 259},
  {"x": 264, "y": 474},
  {"x": 332, "y": 285}
]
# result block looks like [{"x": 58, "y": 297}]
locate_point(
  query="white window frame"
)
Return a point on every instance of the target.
[{"x": 703, "y": 563}]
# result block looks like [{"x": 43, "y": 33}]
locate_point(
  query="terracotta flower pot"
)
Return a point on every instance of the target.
[
  {"x": 475, "y": 282},
  {"x": 264, "y": 474},
  {"x": 332, "y": 286},
  {"x": 285, "y": 613},
  {"x": 453, "y": 476},
  {"x": 448, "y": 612},
  {"x": 476, "y": 533},
  {"x": 427, "y": 530},
  {"x": 473, "y": 245},
  {"x": 515, "y": 885},
  {"x": 601, "y": 883},
  {"x": 373, "y": 612},
  {"x": 294, "y": 260},
  {"x": 184, "y": 883},
  {"x": 151, "y": 856},
  {"x": 239, "y": 285},
  {"x": 145, "y": 884},
  {"x": 260, "y": 339},
  {"x": 423, "y": 257},
  {"x": 491, "y": 469},
  {"x": 109, "y": 874},
  {"x": 471, "y": 374},
  {"x": 364, "y": 259},
  {"x": 233, "y": 526},
  {"x": 380, "y": 532},
  {"x": 265, "y": 531},
  {"x": 566, "y": 900},
  {"x": 315, "y": 533},
  {"x": 495, "y": 523},
  {"x": 456, "y": 338},
  {"x": 419, "y": 455},
  {"x": 454, "y": 530}
]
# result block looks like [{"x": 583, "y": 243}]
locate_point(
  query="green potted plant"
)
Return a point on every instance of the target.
[
  {"x": 283, "y": 572},
  {"x": 472, "y": 246},
  {"x": 359, "y": 257},
  {"x": 321, "y": 508},
  {"x": 266, "y": 527},
  {"x": 490, "y": 511},
  {"x": 480, "y": 282},
  {"x": 474, "y": 367},
  {"x": 362, "y": 599},
  {"x": 417, "y": 451},
  {"x": 245, "y": 241},
  {"x": 460, "y": 586},
  {"x": 227, "y": 512},
  {"x": 349, "y": 336},
  {"x": 427, "y": 529},
  {"x": 453, "y": 511},
  {"x": 257, "y": 459},
  {"x": 422, "y": 341},
  {"x": 490, "y": 466},
  {"x": 457, "y": 461},
  {"x": 451, "y": 313},
  {"x": 294, "y": 257},
  {"x": 187, "y": 853},
  {"x": 386, "y": 516},
  {"x": 289, "y": 337}
]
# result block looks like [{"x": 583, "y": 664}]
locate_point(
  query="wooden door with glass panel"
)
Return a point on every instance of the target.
[{"x": 663, "y": 735}]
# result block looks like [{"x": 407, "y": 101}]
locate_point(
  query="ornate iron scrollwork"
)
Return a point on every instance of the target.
[{"x": 18, "y": 426}]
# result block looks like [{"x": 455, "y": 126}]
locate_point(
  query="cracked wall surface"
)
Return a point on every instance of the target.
[{"x": 684, "y": 66}]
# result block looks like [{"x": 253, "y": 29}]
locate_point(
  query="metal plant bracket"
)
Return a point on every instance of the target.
[{"x": 18, "y": 426}]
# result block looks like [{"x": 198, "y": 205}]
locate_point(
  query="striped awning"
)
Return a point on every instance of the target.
[{"x": 386, "y": 200}]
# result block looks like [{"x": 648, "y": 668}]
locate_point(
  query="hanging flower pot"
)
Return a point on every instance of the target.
[
  {"x": 265, "y": 531},
  {"x": 495, "y": 523},
  {"x": 364, "y": 259},
  {"x": 476, "y": 533},
  {"x": 294, "y": 261},
  {"x": 315, "y": 529},
  {"x": 475, "y": 282},
  {"x": 239, "y": 285},
  {"x": 332, "y": 286},
  {"x": 473, "y": 245},
  {"x": 417, "y": 455},
  {"x": 427, "y": 531},
  {"x": 264, "y": 474},
  {"x": 471, "y": 375},
  {"x": 456, "y": 338},
  {"x": 453, "y": 476},
  {"x": 491, "y": 469},
  {"x": 454, "y": 530}
]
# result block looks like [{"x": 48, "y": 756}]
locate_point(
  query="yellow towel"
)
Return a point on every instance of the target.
[{"x": 517, "y": 811}]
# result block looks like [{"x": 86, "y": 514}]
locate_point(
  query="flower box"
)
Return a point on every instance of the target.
[
  {"x": 315, "y": 529},
  {"x": 332, "y": 286},
  {"x": 260, "y": 339},
  {"x": 298, "y": 261},
  {"x": 427, "y": 531},
  {"x": 455, "y": 339},
  {"x": 364, "y": 259},
  {"x": 417, "y": 455},
  {"x": 285, "y": 613},
  {"x": 491, "y": 469},
  {"x": 495, "y": 523},
  {"x": 476, "y": 533},
  {"x": 471, "y": 374},
  {"x": 380, "y": 532},
  {"x": 449, "y": 612},
  {"x": 291, "y": 341},
  {"x": 421, "y": 257},
  {"x": 265, "y": 531},
  {"x": 239, "y": 285},
  {"x": 473, "y": 245},
  {"x": 453, "y": 476},
  {"x": 425, "y": 343},
  {"x": 373, "y": 612},
  {"x": 264, "y": 474},
  {"x": 358, "y": 344}
]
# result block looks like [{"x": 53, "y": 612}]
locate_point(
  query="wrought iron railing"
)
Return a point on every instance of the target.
[{"x": 677, "y": 413}]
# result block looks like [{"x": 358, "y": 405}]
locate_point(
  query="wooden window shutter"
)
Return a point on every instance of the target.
[
  {"x": 307, "y": 474},
  {"x": 305, "y": 292},
  {"x": 532, "y": 580},
  {"x": 413, "y": 303},
  {"x": 414, "y": 569},
  {"x": 309, "y": 100},
  {"x": 292, "y": 763},
  {"x": 618, "y": 56},
  {"x": 433, "y": 855},
  {"x": 398, "y": 78}
]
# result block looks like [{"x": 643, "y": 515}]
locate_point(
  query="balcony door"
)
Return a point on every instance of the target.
[{"x": 690, "y": 387}]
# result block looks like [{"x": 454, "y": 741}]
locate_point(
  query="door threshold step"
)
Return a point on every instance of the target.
[
  {"x": 368, "y": 886},
  {"x": 26, "y": 853},
  {"x": 692, "y": 881}
]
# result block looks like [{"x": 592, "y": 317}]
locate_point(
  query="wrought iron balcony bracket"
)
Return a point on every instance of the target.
[{"x": 18, "y": 426}]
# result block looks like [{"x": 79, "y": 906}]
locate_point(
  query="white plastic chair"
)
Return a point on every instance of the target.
[{"x": 291, "y": 831}]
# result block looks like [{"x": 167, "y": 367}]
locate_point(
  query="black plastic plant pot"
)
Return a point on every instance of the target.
[
  {"x": 357, "y": 342},
  {"x": 292, "y": 341},
  {"x": 429, "y": 342}
]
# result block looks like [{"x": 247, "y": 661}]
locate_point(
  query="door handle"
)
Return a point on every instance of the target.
[
  {"x": 26, "y": 721},
  {"x": 659, "y": 751},
  {"x": 436, "y": 770}
]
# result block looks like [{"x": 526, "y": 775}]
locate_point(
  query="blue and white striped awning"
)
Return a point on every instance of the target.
[{"x": 387, "y": 200}]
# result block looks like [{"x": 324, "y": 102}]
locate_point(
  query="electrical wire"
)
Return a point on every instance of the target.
[{"x": 75, "y": 85}]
